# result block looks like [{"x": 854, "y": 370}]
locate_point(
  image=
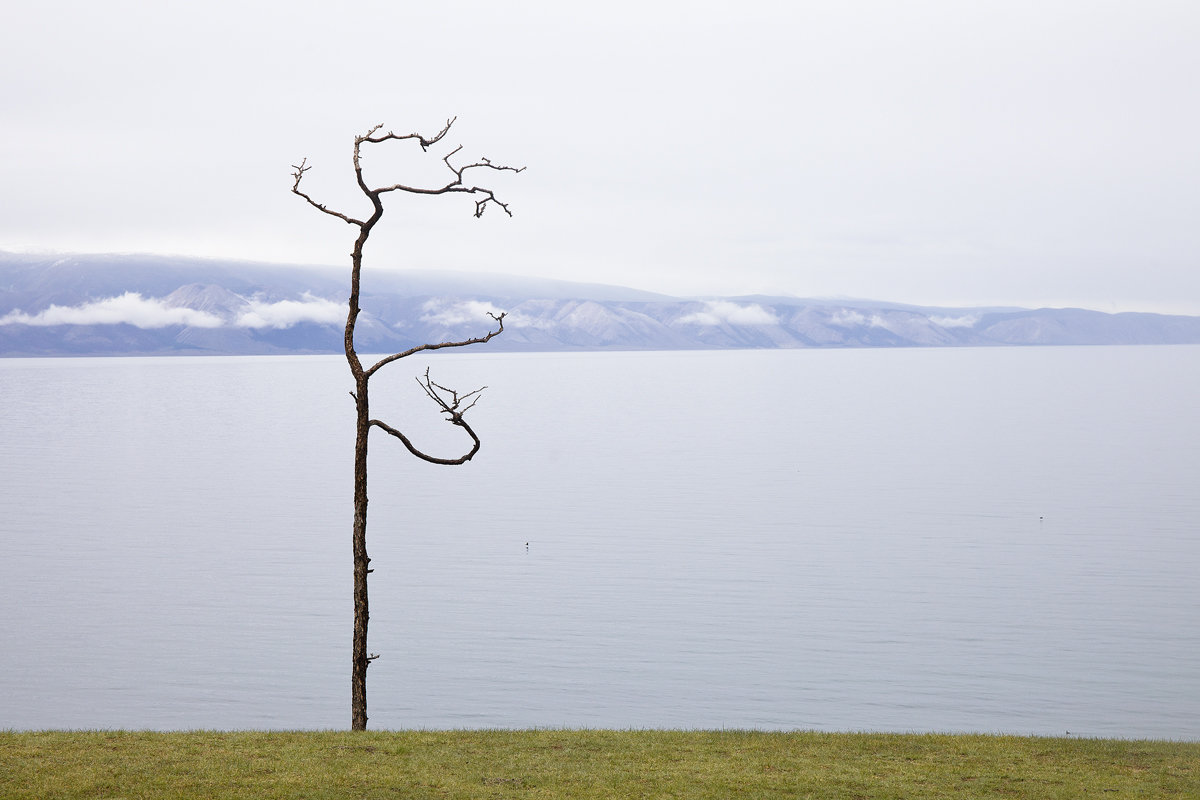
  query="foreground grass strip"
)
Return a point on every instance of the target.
[{"x": 587, "y": 764}]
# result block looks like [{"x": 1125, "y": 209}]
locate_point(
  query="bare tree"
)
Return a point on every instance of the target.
[{"x": 451, "y": 403}]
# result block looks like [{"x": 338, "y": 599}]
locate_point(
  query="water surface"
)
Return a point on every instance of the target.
[{"x": 897, "y": 540}]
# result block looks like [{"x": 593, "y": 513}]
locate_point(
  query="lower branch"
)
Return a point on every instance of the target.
[
  {"x": 412, "y": 448},
  {"x": 452, "y": 404}
]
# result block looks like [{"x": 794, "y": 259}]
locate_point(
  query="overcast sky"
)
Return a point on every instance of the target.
[{"x": 934, "y": 152}]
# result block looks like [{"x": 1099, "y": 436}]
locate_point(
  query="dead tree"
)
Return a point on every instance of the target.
[{"x": 450, "y": 402}]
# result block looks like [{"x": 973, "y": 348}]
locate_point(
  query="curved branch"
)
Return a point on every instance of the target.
[
  {"x": 451, "y": 403},
  {"x": 425, "y": 456},
  {"x": 421, "y": 348}
]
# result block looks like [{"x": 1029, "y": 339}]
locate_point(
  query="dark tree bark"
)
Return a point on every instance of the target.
[{"x": 450, "y": 402}]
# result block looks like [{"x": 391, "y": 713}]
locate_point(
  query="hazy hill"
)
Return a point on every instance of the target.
[{"x": 122, "y": 305}]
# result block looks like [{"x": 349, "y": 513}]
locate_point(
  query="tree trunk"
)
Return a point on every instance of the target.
[{"x": 359, "y": 656}]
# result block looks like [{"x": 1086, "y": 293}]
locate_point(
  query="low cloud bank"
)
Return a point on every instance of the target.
[
  {"x": 128, "y": 309},
  {"x": 965, "y": 321},
  {"x": 723, "y": 312},
  {"x": 458, "y": 313},
  {"x": 286, "y": 313},
  {"x": 846, "y": 318},
  {"x": 152, "y": 312}
]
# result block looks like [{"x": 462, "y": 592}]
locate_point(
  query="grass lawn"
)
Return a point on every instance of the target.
[{"x": 587, "y": 764}]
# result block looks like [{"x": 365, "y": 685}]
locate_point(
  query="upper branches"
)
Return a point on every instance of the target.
[
  {"x": 458, "y": 184},
  {"x": 461, "y": 181}
]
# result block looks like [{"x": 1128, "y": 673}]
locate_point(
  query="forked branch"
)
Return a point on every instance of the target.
[
  {"x": 449, "y": 399},
  {"x": 302, "y": 168},
  {"x": 452, "y": 405},
  {"x": 459, "y": 183}
]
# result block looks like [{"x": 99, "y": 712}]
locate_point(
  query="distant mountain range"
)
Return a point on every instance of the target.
[{"x": 157, "y": 305}]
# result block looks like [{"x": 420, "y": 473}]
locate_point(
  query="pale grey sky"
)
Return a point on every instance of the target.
[{"x": 934, "y": 151}]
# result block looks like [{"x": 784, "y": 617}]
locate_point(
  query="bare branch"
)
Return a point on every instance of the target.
[
  {"x": 483, "y": 163},
  {"x": 425, "y": 347},
  {"x": 302, "y": 168},
  {"x": 451, "y": 403},
  {"x": 450, "y": 462},
  {"x": 424, "y": 142},
  {"x": 446, "y": 161},
  {"x": 456, "y": 185},
  {"x": 433, "y": 389}
]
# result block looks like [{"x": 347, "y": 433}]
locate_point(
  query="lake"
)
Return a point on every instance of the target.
[{"x": 959, "y": 539}]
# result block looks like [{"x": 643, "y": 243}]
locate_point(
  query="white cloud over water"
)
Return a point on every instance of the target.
[
  {"x": 152, "y": 312},
  {"x": 965, "y": 321},
  {"x": 723, "y": 312},
  {"x": 286, "y": 313},
  {"x": 844, "y": 317},
  {"x": 128, "y": 309},
  {"x": 457, "y": 313}
]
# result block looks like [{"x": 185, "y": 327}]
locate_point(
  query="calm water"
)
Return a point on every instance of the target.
[{"x": 945, "y": 539}]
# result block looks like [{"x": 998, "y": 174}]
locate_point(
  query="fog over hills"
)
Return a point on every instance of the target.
[{"x": 157, "y": 305}]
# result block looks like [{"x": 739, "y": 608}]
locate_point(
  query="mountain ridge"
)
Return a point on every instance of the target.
[{"x": 53, "y": 305}]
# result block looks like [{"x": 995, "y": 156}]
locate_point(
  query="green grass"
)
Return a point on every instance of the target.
[{"x": 416, "y": 765}]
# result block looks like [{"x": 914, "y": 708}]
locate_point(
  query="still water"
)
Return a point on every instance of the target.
[{"x": 993, "y": 540}]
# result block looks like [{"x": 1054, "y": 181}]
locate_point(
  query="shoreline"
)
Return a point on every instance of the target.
[{"x": 588, "y": 764}]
